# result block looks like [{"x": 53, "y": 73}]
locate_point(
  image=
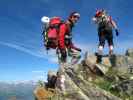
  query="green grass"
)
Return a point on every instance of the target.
[{"x": 106, "y": 84}]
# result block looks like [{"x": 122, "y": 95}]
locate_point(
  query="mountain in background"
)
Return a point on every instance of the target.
[{"x": 17, "y": 91}]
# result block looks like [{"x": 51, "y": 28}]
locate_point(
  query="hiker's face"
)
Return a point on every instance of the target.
[{"x": 75, "y": 19}]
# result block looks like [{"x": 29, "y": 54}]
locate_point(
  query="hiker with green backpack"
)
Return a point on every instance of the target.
[
  {"x": 58, "y": 36},
  {"x": 105, "y": 25}
]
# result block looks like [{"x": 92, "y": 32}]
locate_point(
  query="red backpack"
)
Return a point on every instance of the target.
[{"x": 51, "y": 33}]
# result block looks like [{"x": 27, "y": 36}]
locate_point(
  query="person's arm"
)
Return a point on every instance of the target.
[
  {"x": 74, "y": 47},
  {"x": 94, "y": 19},
  {"x": 114, "y": 26}
]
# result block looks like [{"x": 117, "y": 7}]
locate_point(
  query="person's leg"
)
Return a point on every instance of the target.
[
  {"x": 110, "y": 42},
  {"x": 75, "y": 54},
  {"x": 101, "y": 44},
  {"x": 60, "y": 83},
  {"x": 58, "y": 53},
  {"x": 62, "y": 55}
]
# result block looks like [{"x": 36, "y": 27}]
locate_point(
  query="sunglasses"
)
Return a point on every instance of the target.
[{"x": 76, "y": 17}]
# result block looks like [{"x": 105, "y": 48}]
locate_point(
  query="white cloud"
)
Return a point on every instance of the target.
[
  {"x": 17, "y": 47},
  {"x": 40, "y": 52},
  {"x": 87, "y": 47},
  {"x": 38, "y": 71},
  {"x": 39, "y": 75},
  {"x": 54, "y": 60},
  {"x": 51, "y": 55},
  {"x": 122, "y": 46}
]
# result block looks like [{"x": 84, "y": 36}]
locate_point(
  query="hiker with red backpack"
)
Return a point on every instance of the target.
[
  {"x": 58, "y": 36},
  {"x": 105, "y": 25},
  {"x": 65, "y": 39}
]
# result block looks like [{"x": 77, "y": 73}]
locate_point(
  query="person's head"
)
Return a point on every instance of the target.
[
  {"x": 100, "y": 12},
  {"x": 74, "y": 17}
]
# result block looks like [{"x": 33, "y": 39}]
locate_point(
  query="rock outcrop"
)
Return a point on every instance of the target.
[
  {"x": 129, "y": 52},
  {"x": 110, "y": 80}
]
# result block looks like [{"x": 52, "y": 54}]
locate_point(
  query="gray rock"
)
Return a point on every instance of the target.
[
  {"x": 51, "y": 73},
  {"x": 80, "y": 78},
  {"x": 124, "y": 87},
  {"x": 129, "y": 52},
  {"x": 123, "y": 64},
  {"x": 106, "y": 61},
  {"x": 90, "y": 61},
  {"x": 102, "y": 68},
  {"x": 52, "y": 77},
  {"x": 78, "y": 88}
]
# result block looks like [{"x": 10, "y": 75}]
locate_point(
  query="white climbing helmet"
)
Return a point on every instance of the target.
[{"x": 45, "y": 20}]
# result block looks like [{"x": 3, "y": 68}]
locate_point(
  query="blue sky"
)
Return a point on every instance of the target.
[{"x": 22, "y": 55}]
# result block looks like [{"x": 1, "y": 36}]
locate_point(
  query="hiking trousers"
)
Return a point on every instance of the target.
[
  {"x": 105, "y": 35},
  {"x": 71, "y": 52}
]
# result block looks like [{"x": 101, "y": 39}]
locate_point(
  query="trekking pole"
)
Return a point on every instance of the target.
[
  {"x": 59, "y": 55},
  {"x": 47, "y": 51}
]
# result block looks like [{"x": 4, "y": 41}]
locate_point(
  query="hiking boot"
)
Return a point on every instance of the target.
[{"x": 99, "y": 59}]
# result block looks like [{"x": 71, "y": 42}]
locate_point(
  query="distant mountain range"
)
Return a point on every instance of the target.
[{"x": 17, "y": 90}]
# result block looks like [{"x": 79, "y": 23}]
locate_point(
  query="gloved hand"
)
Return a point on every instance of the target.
[
  {"x": 117, "y": 32},
  {"x": 63, "y": 55},
  {"x": 78, "y": 49}
]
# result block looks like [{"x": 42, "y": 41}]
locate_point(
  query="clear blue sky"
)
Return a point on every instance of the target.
[{"x": 22, "y": 55}]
